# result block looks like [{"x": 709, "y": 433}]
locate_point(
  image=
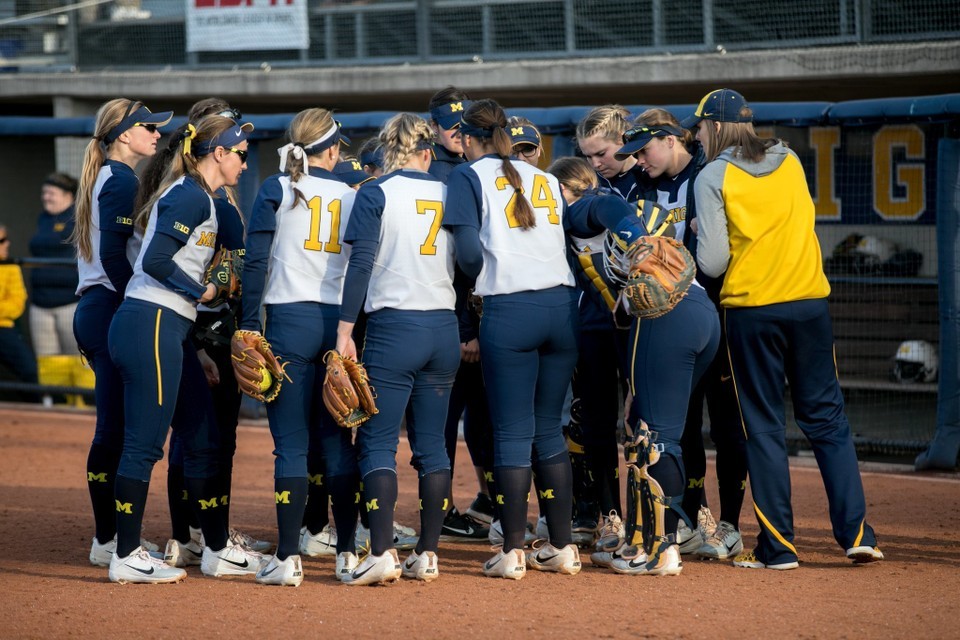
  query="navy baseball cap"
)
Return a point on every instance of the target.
[
  {"x": 351, "y": 172},
  {"x": 721, "y": 105},
  {"x": 523, "y": 134},
  {"x": 448, "y": 115},
  {"x": 132, "y": 118},
  {"x": 640, "y": 136},
  {"x": 374, "y": 157}
]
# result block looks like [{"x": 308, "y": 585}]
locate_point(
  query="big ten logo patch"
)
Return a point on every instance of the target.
[
  {"x": 182, "y": 228},
  {"x": 125, "y": 221},
  {"x": 207, "y": 239}
]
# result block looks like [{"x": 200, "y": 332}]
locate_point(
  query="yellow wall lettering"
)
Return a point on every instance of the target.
[
  {"x": 898, "y": 184},
  {"x": 825, "y": 141}
]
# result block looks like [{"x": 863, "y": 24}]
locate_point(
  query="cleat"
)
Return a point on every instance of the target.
[
  {"x": 689, "y": 540},
  {"x": 421, "y": 567},
  {"x": 346, "y": 563},
  {"x": 460, "y": 528},
  {"x": 375, "y": 569},
  {"x": 610, "y": 533},
  {"x": 182, "y": 554},
  {"x": 548, "y": 558},
  {"x": 640, "y": 564},
  {"x": 141, "y": 567},
  {"x": 318, "y": 544},
  {"x": 584, "y": 531},
  {"x": 196, "y": 535},
  {"x": 725, "y": 542},
  {"x": 102, "y": 554},
  {"x": 481, "y": 509},
  {"x": 706, "y": 523},
  {"x": 248, "y": 541},
  {"x": 495, "y": 536},
  {"x": 864, "y": 554},
  {"x": 605, "y": 558},
  {"x": 511, "y": 565},
  {"x": 149, "y": 546},
  {"x": 232, "y": 560},
  {"x": 404, "y": 538},
  {"x": 749, "y": 560},
  {"x": 284, "y": 573}
]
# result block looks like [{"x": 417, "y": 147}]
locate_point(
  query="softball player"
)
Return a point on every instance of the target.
[
  {"x": 371, "y": 157},
  {"x": 667, "y": 356},
  {"x": 506, "y": 219},
  {"x": 755, "y": 220},
  {"x": 148, "y": 341},
  {"x": 294, "y": 267},
  {"x": 446, "y": 106},
  {"x": 403, "y": 261},
  {"x": 599, "y": 136},
  {"x": 525, "y": 140},
  {"x": 672, "y": 159},
  {"x": 125, "y": 132}
]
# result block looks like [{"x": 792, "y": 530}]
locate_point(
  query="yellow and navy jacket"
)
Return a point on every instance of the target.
[
  {"x": 756, "y": 223},
  {"x": 13, "y": 294}
]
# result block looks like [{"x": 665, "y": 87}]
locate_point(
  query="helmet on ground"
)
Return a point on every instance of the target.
[{"x": 915, "y": 361}]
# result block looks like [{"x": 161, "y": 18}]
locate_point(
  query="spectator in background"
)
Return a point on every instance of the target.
[
  {"x": 14, "y": 351},
  {"x": 52, "y": 298}
]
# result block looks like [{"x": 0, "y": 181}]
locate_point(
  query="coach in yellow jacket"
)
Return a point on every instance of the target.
[
  {"x": 15, "y": 354},
  {"x": 755, "y": 220}
]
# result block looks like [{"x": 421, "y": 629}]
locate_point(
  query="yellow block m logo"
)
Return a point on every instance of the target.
[
  {"x": 516, "y": 131},
  {"x": 372, "y": 505},
  {"x": 282, "y": 497},
  {"x": 124, "y": 507},
  {"x": 207, "y": 504},
  {"x": 456, "y": 106},
  {"x": 316, "y": 479},
  {"x": 96, "y": 477},
  {"x": 547, "y": 495},
  {"x": 695, "y": 483},
  {"x": 207, "y": 239}
]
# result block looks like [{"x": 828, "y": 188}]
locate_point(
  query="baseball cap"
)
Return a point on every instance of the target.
[
  {"x": 448, "y": 115},
  {"x": 132, "y": 117},
  {"x": 523, "y": 134},
  {"x": 640, "y": 136},
  {"x": 374, "y": 157},
  {"x": 720, "y": 105},
  {"x": 351, "y": 172}
]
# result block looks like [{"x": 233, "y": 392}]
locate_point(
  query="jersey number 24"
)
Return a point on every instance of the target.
[{"x": 542, "y": 198}]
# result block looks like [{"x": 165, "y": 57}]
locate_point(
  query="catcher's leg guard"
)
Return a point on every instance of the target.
[
  {"x": 647, "y": 500},
  {"x": 585, "y": 486}
]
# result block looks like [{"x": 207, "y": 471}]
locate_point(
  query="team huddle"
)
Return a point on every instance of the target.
[{"x": 653, "y": 272}]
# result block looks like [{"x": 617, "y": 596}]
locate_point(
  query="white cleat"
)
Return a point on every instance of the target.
[
  {"x": 549, "y": 558},
  {"x": 346, "y": 563},
  {"x": 669, "y": 563},
  {"x": 232, "y": 560},
  {"x": 495, "y": 535},
  {"x": 375, "y": 569},
  {"x": 605, "y": 558},
  {"x": 610, "y": 533},
  {"x": 141, "y": 567},
  {"x": 421, "y": 567},
  {"x": 248, "y": 541},
  {"x": 284, "y": 573},
  {"x": 318, "y": 544},
  {"x": 182, "y": 554},
  {"x": 689, "y": 540},
  {"x": 511, "y": 565},
  {"x": 102, "y": 554},
  {"x": 725, "y": 542}
]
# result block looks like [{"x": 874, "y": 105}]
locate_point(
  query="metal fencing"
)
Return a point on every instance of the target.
[{"x": 54, "y": 35}]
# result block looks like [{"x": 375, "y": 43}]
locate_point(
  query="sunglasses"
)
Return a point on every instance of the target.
[
  {"x": 233, "y": 114},
  {"x": 240, "y": 152},
  {"x": 527, "y": 150},
  {"x": 152, "y": 128},
  {"x": 636, "y": 132}
]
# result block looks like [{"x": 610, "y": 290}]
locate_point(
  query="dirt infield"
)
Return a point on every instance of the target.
[{"x": 48, "y": 589}]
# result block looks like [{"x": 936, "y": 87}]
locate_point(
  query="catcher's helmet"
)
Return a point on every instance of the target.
[
  {"x": 915, "y": 361},
  {"x": 656, "y": 220}
]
